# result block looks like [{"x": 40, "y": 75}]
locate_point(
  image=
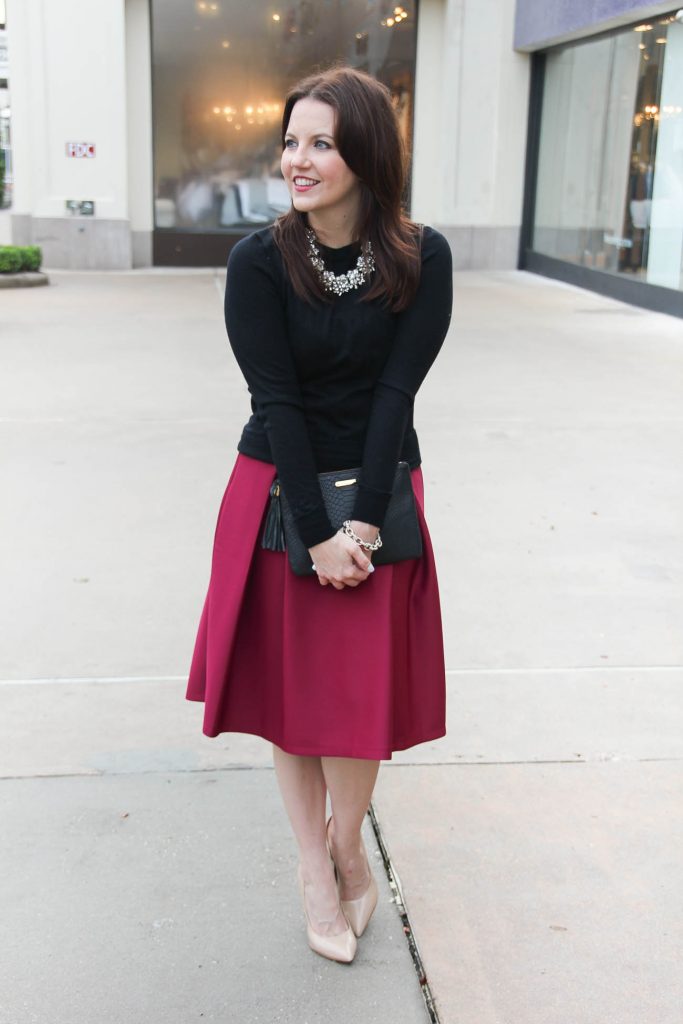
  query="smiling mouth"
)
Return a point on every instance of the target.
[{"x": 305, "y": 182}]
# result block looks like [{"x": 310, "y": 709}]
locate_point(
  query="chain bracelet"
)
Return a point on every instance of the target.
[{"x": 365, "y": 544}]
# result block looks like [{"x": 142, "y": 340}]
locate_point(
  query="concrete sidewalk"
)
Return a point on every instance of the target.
[{"x": 148, "y": 872}]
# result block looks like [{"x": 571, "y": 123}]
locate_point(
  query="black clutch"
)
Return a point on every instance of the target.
[{"x": 401, "y": 537}]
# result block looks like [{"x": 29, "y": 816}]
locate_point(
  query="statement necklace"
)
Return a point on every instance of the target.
[{"x": 340, "y": 283}]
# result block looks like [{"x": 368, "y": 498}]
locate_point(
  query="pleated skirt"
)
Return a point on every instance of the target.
[{"x": 357, "y": 672}]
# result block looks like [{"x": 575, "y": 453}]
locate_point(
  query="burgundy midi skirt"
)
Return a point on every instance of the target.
[{"x": 357, "y": 672}]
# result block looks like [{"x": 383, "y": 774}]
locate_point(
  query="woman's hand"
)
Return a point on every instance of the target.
[{"x": 340, "y": 561}]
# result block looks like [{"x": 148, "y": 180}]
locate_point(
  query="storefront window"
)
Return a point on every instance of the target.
[
  {"x": 609, "y": 191},
  {"x": 221, "y": 69}
]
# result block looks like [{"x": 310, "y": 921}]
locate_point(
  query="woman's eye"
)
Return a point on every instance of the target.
[
  {"x": 289, "y": 143},
  {"x": 321, "y": 142}
]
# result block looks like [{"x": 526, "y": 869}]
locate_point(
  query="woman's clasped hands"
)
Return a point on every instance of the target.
[{"x": 341, "y": 561}]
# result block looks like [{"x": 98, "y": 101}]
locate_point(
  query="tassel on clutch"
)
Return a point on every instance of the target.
[{"x": 273, "y": 534}]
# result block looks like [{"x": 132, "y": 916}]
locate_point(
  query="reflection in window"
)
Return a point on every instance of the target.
[
  {"x": 221, "y": 69},
  {"x": 609, "y": 191}
]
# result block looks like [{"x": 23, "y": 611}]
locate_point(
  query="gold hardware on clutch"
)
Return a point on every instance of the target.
[{"x": 344, "y": 483}]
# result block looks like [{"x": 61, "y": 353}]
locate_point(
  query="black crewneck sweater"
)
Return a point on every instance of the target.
[{"x": 332, "y": 384}]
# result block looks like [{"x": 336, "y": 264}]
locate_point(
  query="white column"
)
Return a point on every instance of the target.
[
  {"x": 428, "y": 134},
  {"x": 471, "y": 98},
  {"x": 139, "y": 118}
]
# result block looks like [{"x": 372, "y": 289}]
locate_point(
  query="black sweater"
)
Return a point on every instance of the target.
[{"x": 332, "y": 384}]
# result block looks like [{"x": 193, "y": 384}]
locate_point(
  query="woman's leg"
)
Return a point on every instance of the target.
[
  {"x": 350, "y": 781},
  {"x": 304, "y": 793}
]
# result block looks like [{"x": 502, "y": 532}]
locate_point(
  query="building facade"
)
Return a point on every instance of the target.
[
  {"x": 133, "y": 144},
  {"x": 543, "y": 135},
  {"x": 604, "y": 191}
]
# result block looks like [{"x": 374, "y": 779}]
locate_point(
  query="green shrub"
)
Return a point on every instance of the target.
[
  {"x": 10, "y": 259},
  {"x": 15, "y": 258},
  {"x": 32, "y": 257}
]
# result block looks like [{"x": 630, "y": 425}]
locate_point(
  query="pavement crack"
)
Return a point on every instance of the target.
[
  {"x": 397, "y": 894},
  {"x": 598, "y": 759},
  {"x": 96, "y": 773}
]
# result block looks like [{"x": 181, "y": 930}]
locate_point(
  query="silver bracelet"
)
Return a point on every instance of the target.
[{"x": 365, "y": 544}]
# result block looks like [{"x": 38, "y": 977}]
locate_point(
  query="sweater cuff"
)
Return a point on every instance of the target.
[
  {"x": 371, "y": 506},
  {"x": 314, "y": 527}
]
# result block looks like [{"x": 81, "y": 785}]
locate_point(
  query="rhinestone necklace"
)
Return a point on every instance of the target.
[{"x": 340, "y": 283}]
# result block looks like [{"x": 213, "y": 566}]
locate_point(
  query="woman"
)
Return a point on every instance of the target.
[{"x": 335, "y": 314}]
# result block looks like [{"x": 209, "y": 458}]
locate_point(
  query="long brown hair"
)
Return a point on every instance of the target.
[{"x": 369, "y": 141}]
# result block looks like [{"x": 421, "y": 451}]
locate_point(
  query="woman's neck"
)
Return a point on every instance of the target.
[{"x": 334, "y": 232}]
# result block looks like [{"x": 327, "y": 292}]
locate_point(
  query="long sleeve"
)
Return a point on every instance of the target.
[
  {"x": 420, "y": 333},
  {"x": 255, "y": 321}
]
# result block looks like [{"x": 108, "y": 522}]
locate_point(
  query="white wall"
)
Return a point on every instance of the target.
[
  {"x": 471, "y": 115},
  {"x": 74, "y": 91},
  {"x": 67, "y": 64}
]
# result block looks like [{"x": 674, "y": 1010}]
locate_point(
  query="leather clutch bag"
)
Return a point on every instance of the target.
[{"x": 401, "y": 537}]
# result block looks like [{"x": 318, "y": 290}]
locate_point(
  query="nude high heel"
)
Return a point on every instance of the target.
[
  {"x": 359, "y": 911},
  {"x": 341, "y": 947}
]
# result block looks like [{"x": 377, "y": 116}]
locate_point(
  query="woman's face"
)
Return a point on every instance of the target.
[{"x": 319, "y": 180}]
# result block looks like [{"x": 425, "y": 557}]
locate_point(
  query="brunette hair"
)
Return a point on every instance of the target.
[{"x": 369, "y": 141}]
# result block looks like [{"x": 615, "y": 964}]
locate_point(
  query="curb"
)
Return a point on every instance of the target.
[{"x": 28, "y": 279}]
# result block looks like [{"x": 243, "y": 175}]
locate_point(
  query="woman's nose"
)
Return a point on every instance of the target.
[{"x": 301, "y": 159}]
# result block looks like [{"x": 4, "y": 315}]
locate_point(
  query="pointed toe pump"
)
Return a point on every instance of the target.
[
  {"x": 340, "y": 947},
  {"x": 359, "y": 911}
]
